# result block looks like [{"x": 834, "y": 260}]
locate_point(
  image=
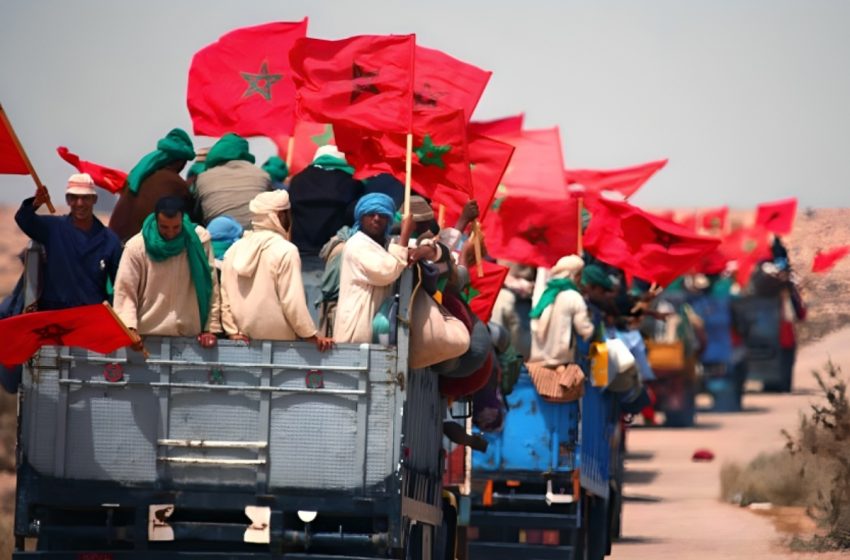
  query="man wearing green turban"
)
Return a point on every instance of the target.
[
  {"x": 230, "y": 181},
  {"x": 277, "y": 170},
  {"x": 157, "y": 175},
  {"x": 166, "y": 283}
]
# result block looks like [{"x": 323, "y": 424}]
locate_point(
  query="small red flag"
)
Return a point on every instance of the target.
[
  {"x": 242, "y": 83},
  {"x": 94, "y": 327},
  {"x": 747, "y": 247},
  {"x": 688, "y": 221},
  {"x": 12, "y": 161},
  {"x": 488, "y": 160},
  {"x": 533, "y": 231},
  {"x": 104, "y": 177},
  {"x": 498, "y": 127},
  {"x": 363, "y": 82},
  {"x": 642, "y": 244},
  {"x": 715, "y": 218},
  {"x": 483, "y": 290},
  {"x": 446, "y": 82},
  {"x": 825, "y": 260},
  {"x": 537, "y": 166},
  {"x": 777, "y": 217},
  {"x": 309, "y": 137},
  {"x": 625, "y": 181}
]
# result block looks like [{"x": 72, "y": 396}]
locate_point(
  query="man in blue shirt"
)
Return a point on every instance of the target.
[{"x": 81, "y": 253}]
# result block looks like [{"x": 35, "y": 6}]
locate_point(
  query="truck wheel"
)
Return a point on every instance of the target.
[
  {"x": 446, "y": 535},
  {"x": 595, "y": 529}
]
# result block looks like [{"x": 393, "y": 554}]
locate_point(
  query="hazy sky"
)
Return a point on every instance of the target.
[{"x": 748, "y": 98}]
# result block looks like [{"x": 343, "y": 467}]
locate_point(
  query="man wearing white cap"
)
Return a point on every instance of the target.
[
  {"x": 262, "y": 294},
  {"x": 82, "y": 254}
]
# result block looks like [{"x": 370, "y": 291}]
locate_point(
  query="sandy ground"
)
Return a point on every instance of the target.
[{"x": 672, "y": 509}]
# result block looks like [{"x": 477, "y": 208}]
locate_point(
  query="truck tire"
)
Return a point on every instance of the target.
[{"x": 595, "y": 529}]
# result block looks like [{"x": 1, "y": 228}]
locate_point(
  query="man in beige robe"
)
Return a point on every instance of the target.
[
  {"x": 262, "y": 293},
  {"x": 166, "y": 280}
]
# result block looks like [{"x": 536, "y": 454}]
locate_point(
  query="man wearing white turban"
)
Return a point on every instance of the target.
[{"x": 261, "y": 269}]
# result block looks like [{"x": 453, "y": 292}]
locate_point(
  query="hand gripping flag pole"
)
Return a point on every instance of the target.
[{"x": 23, "y": 154}]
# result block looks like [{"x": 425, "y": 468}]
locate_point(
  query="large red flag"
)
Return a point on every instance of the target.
[
  {"x": 747, "y": 247},
  {"x": 309, "y": 136},
  {"x": 94, "y": 327},
  {"x": 537, "y": 166},
  {"x": 242, "y": 83},
  {"x": 714, "y": 218},
  {"x": 498, "y": 127},
  {"x": 12, "y": 161},
  {"x": 440, "y": 158},
  {"x": 825, "y": 260},
  {"x": 363, "y": 82},
  {"x": 483, "y": 290},
  {"x": 642, "y": 244},
  {"x": 533, "y": 231},
  {"x": 777, "y": 217},
  {"x": 446, "y": 82},
  {"x": 625, "y": 181},
  {"x": 104, "y": 177},
  {"x": 488, "y": 160}
]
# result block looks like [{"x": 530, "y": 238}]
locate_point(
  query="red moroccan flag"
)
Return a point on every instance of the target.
[
  {"x": 488, "y": 160},
  {"x": 242, "y": 83},
  {"x": 688, "y": 221},
  {"x": 440, "y": 156},
  {"x": 12, "y": 161},
  {"x": 533, "y": 231},
  {"x": 825, "y": 260},
  {"x": 309, "y": 137},
  {"x": 666, "y": 215},
  {"x": 642, "y": 244},
  {"x": 625, "y": 181},
  {"x": 104, "y": 177},
  {"x": 94, "y": 327},
  {"x": 715, "y": 218},
  {"x": 498, "y": 127},
  {"x": 362, "y": 82},
  {"x": 747, "y": 247},
  {"x": 446, "y": 82},
  {"x": 777, "y": 217},
  {"x": 537, "y": 166},
  {"x": 484, "y": 290}
]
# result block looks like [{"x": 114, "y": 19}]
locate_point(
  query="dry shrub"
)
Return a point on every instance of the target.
[{"x": 813, "y": 471}]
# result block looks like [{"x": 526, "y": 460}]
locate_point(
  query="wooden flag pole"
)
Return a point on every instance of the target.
[
  {"x": 580, "y": 232},
  {"x": 408, "y": 166},
  {"x": 134, "y": 336},
  {"x": 479, "y": 259},
  {"x": 441, "y": 216},
  {"x": 290, "y": 149},
  {"x": 38, "y": 184}
]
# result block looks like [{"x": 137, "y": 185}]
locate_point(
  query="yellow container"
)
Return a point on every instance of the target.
[
  {"x": 666, "y": 356},
  {"x": 599, "y": 364}
]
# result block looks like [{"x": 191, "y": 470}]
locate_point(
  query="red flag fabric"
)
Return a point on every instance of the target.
[
  {"x": 642, "y": 244},
  {"x": 666, "y": 215},
  {"x": 104, "y": 177},
  {"x": 93, "y": 327},
  {"x": 309, "y": 137},
  {"x": 498, "y": 127},
  {"x": 688, "y": 221},
  {"x": 532, "y": 231},
  {"x": 747, "y": 247},
  {"x": 488, "y": 160},
  {"x": 446, "y": 82},
  {"x": 625, "y": 181},
  {"x": 364, "y": 81},
  {"x": 777, "y": 217},
  {"x": 440, "y": 155},
  {"x": 715, "y": 218},
  {"x": 484, "y": 290},
  {"x": 242, "y": 83},
  {"x": 12, "y": 161},
  {"x": 537, "y": 166},
  {"x": 825, "y": 260}
]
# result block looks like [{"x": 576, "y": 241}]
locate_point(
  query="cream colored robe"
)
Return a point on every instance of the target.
[
  {"x": 552, "y": 333},
  {"x": 262, "y": 293},
  {"x": 367, "y": 273},
  {"x": 158, "y": 298}
]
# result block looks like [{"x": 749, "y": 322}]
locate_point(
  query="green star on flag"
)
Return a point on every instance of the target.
[
  {"x": 260, "y": 83},
  {"x": 324, "y": 138},
  {"x": 430, "y": 153}
]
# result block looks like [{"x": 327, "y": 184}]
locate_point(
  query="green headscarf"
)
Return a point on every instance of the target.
[
  {"x": 553, "y": 287},
  {"x": 158, "y": 249},
  {"x": 330, "y": 163},
  {"x": 593, "y": 275},
  {"x": 174, "y": 147},
  {"x": 276, "y": 168},
  {"x": 230, "y": 147}
]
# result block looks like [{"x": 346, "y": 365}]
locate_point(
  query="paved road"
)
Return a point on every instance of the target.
[{"x": 672, "y": 509}]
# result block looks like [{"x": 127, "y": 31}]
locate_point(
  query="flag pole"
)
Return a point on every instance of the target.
[
  {"x": 290, "y": 148},
  {"x": 39, "y": 186},
  {"x": 441, "y": 216},
  {"x": 580, "y": 204},
  {"x": 408, "y": 165},
  {"x": 476, "y": 231},
  {"x": 134, "y": 336}
]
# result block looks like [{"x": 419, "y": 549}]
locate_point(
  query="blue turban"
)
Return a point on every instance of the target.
[
  {"x": 374, "y": 203},
  {"x": 224, "y": 231}
]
